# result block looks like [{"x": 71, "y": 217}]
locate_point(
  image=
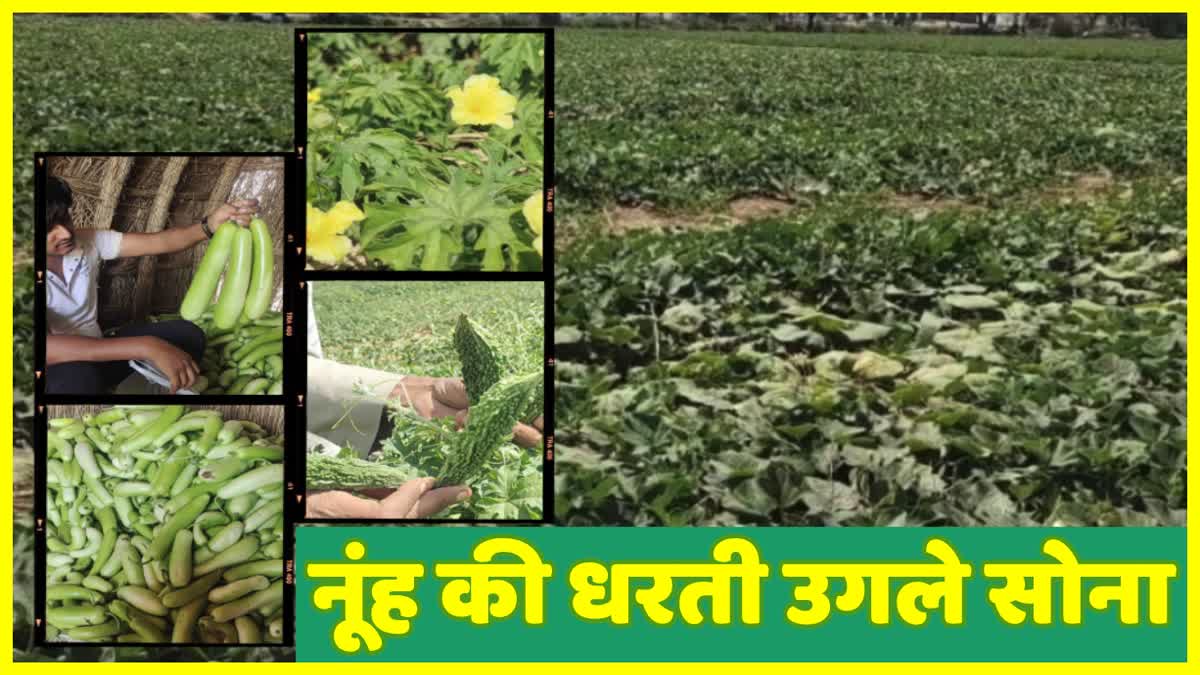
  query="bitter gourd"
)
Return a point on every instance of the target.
[
  {"x": 481, "y": 365},
  {"x": 489, "y": 427},
  {"x": 332, "y": 473}
]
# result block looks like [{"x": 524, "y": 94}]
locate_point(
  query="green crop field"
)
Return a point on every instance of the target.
[
  {"x": 1031, "y": 46},
  {"x": 683, "y": 123},
  {"x": 972, "y": 310},
  {"x": 406, "y": 327}
]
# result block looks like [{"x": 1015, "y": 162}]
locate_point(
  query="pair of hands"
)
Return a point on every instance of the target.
[
  {"x": 431, "y": 398},
  {"x": 178, "y": 366}
]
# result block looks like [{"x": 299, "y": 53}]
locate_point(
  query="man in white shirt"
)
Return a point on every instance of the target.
[
  {"x": 80, "y": 358},
  {"x": 340, "y": 415}
]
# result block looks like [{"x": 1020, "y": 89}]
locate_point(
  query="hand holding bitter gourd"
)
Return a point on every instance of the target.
[
  {"x": 163, "y": 525},
  {"x": 244, "y": 352},
  {"x": 497, "y": 402}
]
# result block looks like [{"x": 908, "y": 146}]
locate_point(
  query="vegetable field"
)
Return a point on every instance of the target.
[
  {"x": 410, "y": 325},
  {"x": 974, "y": 312},
  {"x": 425, "y": 150},
  {"x": 687, "y": 123}
]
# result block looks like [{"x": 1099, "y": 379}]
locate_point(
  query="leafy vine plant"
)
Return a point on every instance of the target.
[{"x": 425, "y": 151}]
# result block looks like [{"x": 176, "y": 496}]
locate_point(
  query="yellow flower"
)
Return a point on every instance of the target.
[
  {"x": 314, "y": 96},
  {"x": 325, "y": 241},
  {"x": 533, "y": 215},
  {"x": 481, "y": 101}
]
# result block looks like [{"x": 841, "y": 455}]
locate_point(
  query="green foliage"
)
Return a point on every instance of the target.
[
  {"x": 1026, "y": 46},
  {"x": 510, "y": 482},
  {"x": 436, "y": 196},
  {"x": 863, "y": 366},
  {"x": 680, "y": 122},
  {"x": 407, "y": 327}
]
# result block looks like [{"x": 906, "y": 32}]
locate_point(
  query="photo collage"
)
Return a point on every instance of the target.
[
  {"x": 235, "y": 344},
  {"x": 646, "y": 338}
]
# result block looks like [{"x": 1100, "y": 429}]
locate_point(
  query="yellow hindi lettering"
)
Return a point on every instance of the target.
[
  {"x": 353, "y": 631},
  {"x": 480, "y": 590},
  {"x": 946, "y": 591},
  {"x": 913, "y": 600},
  {"x": 812, "y": 593},
  {"x": 602, "y": 594},
  {"x": 717, "y": 582},
  {"x": 1031, "y": 585},
  {"x": 589, "y": 581}
]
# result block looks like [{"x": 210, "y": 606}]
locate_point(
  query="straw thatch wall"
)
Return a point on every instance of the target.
[{"x": 150, "y": 194}]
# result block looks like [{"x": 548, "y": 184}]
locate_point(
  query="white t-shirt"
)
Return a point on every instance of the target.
[{"x": 71, "y": 300}]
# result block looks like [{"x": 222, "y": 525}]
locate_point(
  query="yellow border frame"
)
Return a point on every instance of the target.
[{"x": 6, "y": 258}]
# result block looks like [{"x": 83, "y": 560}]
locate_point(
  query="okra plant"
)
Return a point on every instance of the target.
[
  {"x": 425, "y": 151},
  {"x": 163, "y": 525}
]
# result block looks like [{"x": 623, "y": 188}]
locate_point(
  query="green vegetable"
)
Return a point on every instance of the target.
[
  {"x": 126, "y": 530},
  {"x": 262, "y": 279},
  {"x": 204, "y": 281},
  {"x": 237, "y": 279},
  {"x": 333, "y": 473},
  {"x": 256, "y": 386},
  {"x": 78, "y": 615},
  {"x": 236, "y": 589},
  {"x": 243, "y": 606},
  {"x": 197, "y": 589},
  {"x": 180, "y": 520},
  {"x": 272, "y": 335},
  {"x": 181, "y": 559},
  {"x": 481, "y": 367},
  {"x": 490, "y": 426},
  {"x": 268, "y": 567},
  {"x": 148, "y": 433},
  {"x": 252, "y": 480},
  {"x": 185, "y": 621}
]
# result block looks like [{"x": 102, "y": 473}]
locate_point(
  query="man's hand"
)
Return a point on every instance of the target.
[
  {"x": 240, "y": 212},
  {"x": 434, "y": 397},
  {"x": 175, "y": 239},
  {"x": 173, "y": 362},
  {"x": 415, "y": 499}
]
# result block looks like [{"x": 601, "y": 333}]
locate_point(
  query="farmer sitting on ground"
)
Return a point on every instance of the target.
[
  {"x": 339, "y": 415},
  {"x": 80, "y": 358}
]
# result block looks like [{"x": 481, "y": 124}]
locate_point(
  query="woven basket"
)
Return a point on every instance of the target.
[{"x": 150, "y": 194}]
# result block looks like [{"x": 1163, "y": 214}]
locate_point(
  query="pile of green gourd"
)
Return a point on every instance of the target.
[
  {"x": 247, "y": 359},
  {"x": 244, "y": 353},
  {"x": 163, "y": 525}
]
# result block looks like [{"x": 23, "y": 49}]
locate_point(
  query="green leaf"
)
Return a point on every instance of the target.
[
  {"x": 864, "y": 331},
  {"x": 970, "y": 302}
]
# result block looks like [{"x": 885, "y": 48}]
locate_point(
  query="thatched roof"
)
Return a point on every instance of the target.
[{"x": 152, "y": 193}]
